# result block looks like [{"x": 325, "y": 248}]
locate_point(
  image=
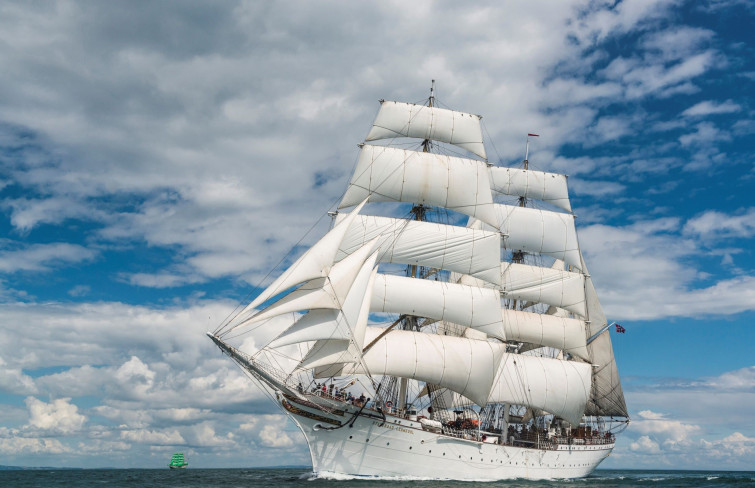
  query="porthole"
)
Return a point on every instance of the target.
[
  {"x": 367, "y": 440},
  {"x": 351, "y": 436}
]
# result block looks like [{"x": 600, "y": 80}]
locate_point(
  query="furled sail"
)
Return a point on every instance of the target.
[
  {"x": 387, "y": 174},
  {"x": 539, "y": 231},
  {"x": 461, "y": 304},
  {"x": 465, "y": 366},
  {"x": 398, "y": 119},
  {"x": 547, "y": 187},
  {"x": 555, "y": 287},
  {"x": 474, "y": 252}
]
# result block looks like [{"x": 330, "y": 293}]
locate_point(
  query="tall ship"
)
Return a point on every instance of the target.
[
  {"x": 178, "y": 461},
  {"x": 446, "y": 325}
]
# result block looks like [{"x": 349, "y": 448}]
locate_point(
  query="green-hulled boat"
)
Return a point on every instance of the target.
[{"x": 177, "y": 461}]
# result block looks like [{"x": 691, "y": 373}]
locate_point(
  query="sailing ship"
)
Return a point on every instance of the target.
[
  {"x": 446, "y": 326},
  {"x": 178, "y": 461}
]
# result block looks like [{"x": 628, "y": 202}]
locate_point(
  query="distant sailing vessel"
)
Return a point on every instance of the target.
[
  {"x": 461, "y": 340},
  {"x": 177, "y": 461}
]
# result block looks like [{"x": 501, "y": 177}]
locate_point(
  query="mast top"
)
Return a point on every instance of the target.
[{"x": 431, "y": 100}]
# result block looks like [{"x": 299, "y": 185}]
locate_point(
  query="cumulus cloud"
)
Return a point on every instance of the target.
[
  {"x": 58, "y": 416},
  {"x": 272, "y": 436}
]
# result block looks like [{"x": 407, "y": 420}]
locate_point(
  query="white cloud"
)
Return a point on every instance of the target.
[
  {"x": 273, "y": 436},
  {"x": 645, "y": 445},
  {"x": 708, "y": 107},
  {"x": 13, "y": 380},
  {"x": 656, "y": 424},
  {"x": 32, "y": 445},
  {"x": 621, "y": 260},
  {"x": 714, "y": 224},
  {"x": 705, "y": 134},
  {"x": 58, "y": 416},
  {"x": 167, "y": 437},
  {"x": 42, "y": 257}
]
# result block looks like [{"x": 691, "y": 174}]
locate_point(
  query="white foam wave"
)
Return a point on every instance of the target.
[{"x": 329, "y": 475}]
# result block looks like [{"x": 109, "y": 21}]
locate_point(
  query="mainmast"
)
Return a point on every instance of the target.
[{"x": 518, "y": 255}]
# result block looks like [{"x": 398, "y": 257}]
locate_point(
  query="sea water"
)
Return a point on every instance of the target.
[{"x": 303, "y": 478}]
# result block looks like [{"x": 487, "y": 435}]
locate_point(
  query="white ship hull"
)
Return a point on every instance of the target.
[{"x": 400, "y": 448}]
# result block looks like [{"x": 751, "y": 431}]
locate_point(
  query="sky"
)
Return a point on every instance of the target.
[{"x": 157, "y": 159}]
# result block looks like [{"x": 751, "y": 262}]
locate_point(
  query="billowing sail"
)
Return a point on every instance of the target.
[
  {"x": 398, "y": 119},
  {"x": 539, "y": 231},
  {"x": 464, "y": 250},
  {"x": 329, "y": 323},
  {"x": 465, "y": 366},
  {"x": 461, "y": 304},
  {"x": 321, "y": 293},
  {"x": 551, "y": 385},
  {"x": 607, "y": 396},
  {"x": 555, "y": 287},
  {"x": 547, "y": 187},
  {"x": 329, "y": 352},
  {"x": 315, "y": 263},
  {"x": 555, "y": 386},
  {"x": 562, "y": 333},
  {"x": 387, "y": 174}
]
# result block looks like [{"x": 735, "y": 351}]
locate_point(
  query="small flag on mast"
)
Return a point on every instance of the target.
[
  {"x": 534, "y": 135},
  {"x": 620, "y": 329}
]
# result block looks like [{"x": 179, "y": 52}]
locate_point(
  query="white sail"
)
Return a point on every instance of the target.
[
  {"x": 607, "y": 396},
  {"x": 327, "y": 352},
  {"x": 465, "y": 366},
  {"x": 315, "y": 263},
  {"x": 321, "y": 293},
  {"x": 398, "y": 119},
  {"x": 552, "y": 385},
  {"x": 461, "y": 304},
  {"x": 464, "y": 250},
  {"x": 537, "y": 329},
  {"x": 547, "y": 187},
  {"x": 555, "y": 287},
  {"x": 329, "y": 323},
  {"x": 387, "y": 174},
  {"x": 539, "y": 231}
]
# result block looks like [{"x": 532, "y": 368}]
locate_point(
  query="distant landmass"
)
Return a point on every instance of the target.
[{"x": 29, "y": 468}]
